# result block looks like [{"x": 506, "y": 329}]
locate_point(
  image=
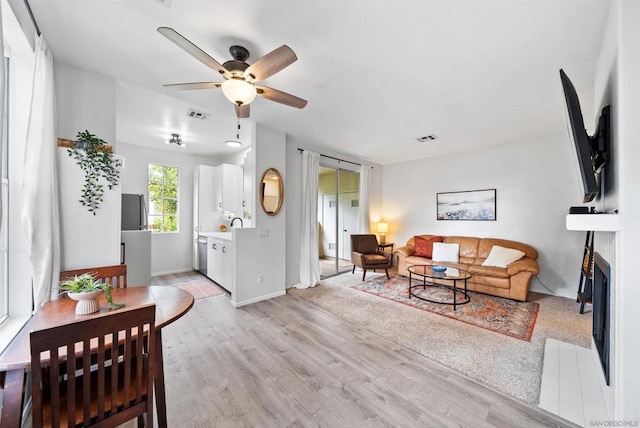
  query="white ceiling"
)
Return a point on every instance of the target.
[{"x": 377, "y": 74}]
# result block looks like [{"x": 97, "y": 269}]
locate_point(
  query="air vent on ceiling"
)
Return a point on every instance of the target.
[
  {"x": 426, "y": 138},
  {"x": 197, "y": 114}
]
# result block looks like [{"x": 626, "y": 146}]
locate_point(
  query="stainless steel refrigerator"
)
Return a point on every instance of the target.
[
  {"x": 135, "y": 240},
  {"x": 134, "y": 212}
]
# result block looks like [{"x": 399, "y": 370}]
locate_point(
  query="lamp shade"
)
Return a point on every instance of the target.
[
  {"x": 383, "y": 227},
  {"x": 238, "y": 91}
]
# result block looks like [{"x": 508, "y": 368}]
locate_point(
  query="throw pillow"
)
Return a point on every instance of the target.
[
  {"x": 502, "y": 257},
  {"x": 445, "y": 252},
  {"x": 424, "y": 247}
]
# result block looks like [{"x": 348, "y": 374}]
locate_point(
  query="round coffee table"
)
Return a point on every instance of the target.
[{"x": 452, "y": 275}]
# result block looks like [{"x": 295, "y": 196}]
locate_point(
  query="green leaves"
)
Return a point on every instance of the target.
[{"x": 97, "y": 165}]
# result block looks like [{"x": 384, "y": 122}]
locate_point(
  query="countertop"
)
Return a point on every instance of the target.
[{"x": 219, "y": 235}]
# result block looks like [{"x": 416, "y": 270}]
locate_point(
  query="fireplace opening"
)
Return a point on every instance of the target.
[{"x": 601, "y": 322}]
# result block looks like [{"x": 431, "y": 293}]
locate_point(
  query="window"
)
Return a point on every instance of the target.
[
  {"x": 4, "y": 205},
  {"x": 162, "y": 184}
]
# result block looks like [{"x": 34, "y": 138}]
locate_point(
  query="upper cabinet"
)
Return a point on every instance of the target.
[{"x": 227, "y": 189}]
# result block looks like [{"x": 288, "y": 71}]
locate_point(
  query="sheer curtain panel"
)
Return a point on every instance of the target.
[
  {"x": 309, "y": 254},
  {"x": 40, "y": 215},
  {"x": 363, "y": 206}
]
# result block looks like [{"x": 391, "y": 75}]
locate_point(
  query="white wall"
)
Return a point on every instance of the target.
[
  {"x": 617, "y": 83},
  {"x": 266, "y": 255},
  {"x": 85, "y": 101},
  {"x": 170, "y": 252},
  {"x": 535, "y": 184},
  {"x": 293, "y": 196}
]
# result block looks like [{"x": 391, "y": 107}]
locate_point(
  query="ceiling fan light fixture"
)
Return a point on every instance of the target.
[{"x": 239, "y": 91}]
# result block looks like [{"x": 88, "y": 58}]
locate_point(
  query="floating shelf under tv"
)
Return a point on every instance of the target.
[{"x": 595, "y": 222}]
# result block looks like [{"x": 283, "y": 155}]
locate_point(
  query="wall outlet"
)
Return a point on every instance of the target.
[
  {"x": 260, "y": 277},
  {"x": 263, "y": 233}
]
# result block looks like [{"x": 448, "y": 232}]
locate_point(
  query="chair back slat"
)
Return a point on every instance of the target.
[
  {"x": 115, "y": 275},
  {"x": 71, "y": 384},
  {"x": 100, "y": 369}
]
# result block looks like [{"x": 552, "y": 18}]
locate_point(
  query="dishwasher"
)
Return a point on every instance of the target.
[{"x": 202, "y": 254}]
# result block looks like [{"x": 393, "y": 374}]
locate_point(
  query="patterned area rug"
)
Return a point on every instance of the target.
[
  {"x": 201, "y": 289},
  {"x": 509, "y": 317}
]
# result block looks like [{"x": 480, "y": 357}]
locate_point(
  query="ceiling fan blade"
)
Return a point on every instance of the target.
[
  {"x": 280, "y": 97},
  {"x": 195, "y": 85},
  {"x": 271, "y": 63},
  {"x": 193, "y": 50},
  {"x": 243, "y": 111}
]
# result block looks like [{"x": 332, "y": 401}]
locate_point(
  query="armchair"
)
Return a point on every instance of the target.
[{"x": 366, "y": 254}]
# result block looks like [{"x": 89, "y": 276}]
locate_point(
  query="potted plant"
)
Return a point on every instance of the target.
[
  {"x": 92, "y": 156},
  {"x": 85, "y": 289}
]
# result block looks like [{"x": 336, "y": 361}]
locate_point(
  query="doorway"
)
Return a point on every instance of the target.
[{"x": 338, "y": 203}]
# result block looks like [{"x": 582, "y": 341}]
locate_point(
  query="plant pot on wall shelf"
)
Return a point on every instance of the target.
[{"x": 95, "y": 159}]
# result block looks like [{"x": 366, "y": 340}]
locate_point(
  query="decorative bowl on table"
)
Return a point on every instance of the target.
[{"x": 438, "y": 268}]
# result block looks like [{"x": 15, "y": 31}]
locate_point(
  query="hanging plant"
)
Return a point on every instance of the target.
[{"x": 91, "y": 155}]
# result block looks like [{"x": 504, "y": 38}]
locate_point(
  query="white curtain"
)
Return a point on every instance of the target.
[
  {"x": 309, "y": 254},
  {"x": 363, "y": 206},
  {"x": 40, "y": 215},
  {"x": 2, "y": 95}
]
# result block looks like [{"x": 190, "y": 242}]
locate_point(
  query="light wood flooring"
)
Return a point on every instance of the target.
[{"x": 283, "y": 363}]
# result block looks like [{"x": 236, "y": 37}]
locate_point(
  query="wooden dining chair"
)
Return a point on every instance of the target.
[
  {"x": 102, "y": 384},
  {"x": 115, "y": 275}
]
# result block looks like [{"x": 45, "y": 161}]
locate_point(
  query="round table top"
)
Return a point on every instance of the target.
[
  {"x": 171, "y": 303},
  {"x": 450, "y": 273}
]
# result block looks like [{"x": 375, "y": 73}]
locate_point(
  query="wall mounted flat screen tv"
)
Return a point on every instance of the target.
[{"x": 591, "y": 151}]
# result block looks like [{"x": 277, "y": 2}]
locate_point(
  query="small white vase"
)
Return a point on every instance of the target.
[{"x": 87, "y": 302}]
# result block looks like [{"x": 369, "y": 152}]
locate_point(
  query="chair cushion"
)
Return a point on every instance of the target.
[
  {"x": 424, "y": 247},
  {"x": 375, "y": 259}
]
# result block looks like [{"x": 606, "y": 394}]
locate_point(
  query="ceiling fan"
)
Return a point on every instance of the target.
[{"x": 239, "y": 85}]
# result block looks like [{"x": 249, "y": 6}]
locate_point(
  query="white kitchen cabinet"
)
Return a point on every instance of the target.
[
  {"x": 220, "y": 261},
  {"x": 227, "y": 189},
  {"x": 204, "y": 214}
]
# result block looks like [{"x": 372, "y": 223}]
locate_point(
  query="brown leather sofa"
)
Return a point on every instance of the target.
[{"x": 511, "y": 282}]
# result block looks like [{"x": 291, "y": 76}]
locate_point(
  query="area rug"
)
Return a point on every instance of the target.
[
  {"x": 202, "y": 289},
  {"x": 509, "y": 317},
  {"x": 499, "y": 361}
]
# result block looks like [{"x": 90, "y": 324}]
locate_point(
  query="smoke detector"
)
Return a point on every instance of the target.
[
  {"x": 195, "y": 114},
  {"x": 426, "y": 138}
]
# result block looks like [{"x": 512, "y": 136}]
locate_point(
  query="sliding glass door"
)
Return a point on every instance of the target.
[{"x": 338, "y": 201}]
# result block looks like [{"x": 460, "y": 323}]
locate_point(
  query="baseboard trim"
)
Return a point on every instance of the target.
[
  {"x": 258, "y": 299},
  {"x": 170, "y": 272}
]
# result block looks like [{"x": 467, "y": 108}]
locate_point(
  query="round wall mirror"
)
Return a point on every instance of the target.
[{"x": 271, "y": 191}]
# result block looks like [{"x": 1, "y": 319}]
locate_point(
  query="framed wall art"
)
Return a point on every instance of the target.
[{"x": 468, "y": 205}]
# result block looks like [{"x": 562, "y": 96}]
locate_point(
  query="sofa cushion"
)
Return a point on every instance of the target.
[
  {"x": 445, "y": 252},
  {"x": 494, "y": 271},
  {"x": 424, "y": 247},
  {"x": 502, "y": 257}
]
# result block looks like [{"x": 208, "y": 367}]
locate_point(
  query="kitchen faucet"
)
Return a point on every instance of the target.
[{"x": 234, "y": 219}]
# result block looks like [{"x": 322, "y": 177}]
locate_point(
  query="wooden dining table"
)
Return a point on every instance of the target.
[{"x": 15, "y": 361}]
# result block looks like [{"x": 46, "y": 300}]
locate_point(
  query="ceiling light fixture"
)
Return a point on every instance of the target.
[
  {"x": 239, "y": 91},
  {"x": 175, "y": 139},
  {"x": 236, "y": 142}
]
